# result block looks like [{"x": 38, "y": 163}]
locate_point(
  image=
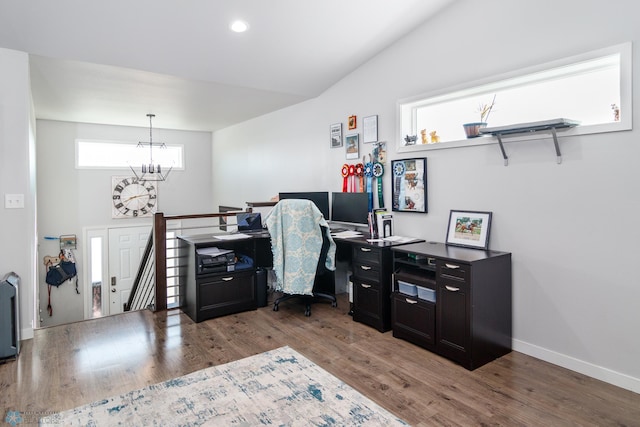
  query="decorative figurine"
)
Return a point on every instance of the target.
[
  {"x": 423, "y": 134},
  {"x": 434, "y": 138}
]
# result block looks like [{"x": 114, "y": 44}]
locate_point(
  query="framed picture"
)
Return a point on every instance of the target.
[
  {"x": 469, "y": 229},
  {"x": 409, "y": 185},
  {"x": 352, "y": 146},
  {"x": 352, "y": 122},
  {"x": 336, "y": 135},
  {"x": 369, "y": 129}
]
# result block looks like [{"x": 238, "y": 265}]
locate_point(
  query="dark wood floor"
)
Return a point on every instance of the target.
[{"x": 71, "y": 365}]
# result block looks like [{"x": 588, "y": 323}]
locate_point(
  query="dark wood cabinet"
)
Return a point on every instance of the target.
[
  {"x": 205, "y": 295},
  {"x": 465, "y": 310},
  {"x": 371, "y": 268}
]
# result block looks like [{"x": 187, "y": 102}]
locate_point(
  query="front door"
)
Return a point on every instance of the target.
[{"x": 126, "y": 248}]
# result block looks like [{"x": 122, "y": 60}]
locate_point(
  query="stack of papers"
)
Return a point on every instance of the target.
[
  {"x": 398, "y": 239},
  {"x": 347, "y": 234},
  {"x": 232, "y": 236},
  {"x": 394, "y": 239}
]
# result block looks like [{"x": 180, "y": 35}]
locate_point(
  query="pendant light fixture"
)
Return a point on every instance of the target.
[{"x": 151, "y": 171}]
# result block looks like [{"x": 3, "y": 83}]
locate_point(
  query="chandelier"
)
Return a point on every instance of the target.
[{"x": 151, "y": 171}]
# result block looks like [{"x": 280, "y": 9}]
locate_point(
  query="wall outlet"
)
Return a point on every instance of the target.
[{"x": 14, "y": 201}]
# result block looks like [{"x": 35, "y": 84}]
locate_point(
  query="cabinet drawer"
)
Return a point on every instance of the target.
[
  {"x": 233, "y": 289},
  {"x": 453, "y": 270},
  {"x": 413, "y": 320},
  {"x": 366, "y": 271},
  {"x": 366, "y": 255}
]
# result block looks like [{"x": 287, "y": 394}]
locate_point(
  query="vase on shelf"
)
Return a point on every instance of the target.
[{"x": 472, "y": 130}]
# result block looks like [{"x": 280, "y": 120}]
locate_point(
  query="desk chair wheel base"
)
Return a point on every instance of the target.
[{"x": 308, "y": 300}]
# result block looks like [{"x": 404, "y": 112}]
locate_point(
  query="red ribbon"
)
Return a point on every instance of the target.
[
  {"x": 352, "y": 172},
  {"x": 345, "y": 174},
  {"x": 360, "y": 175}
]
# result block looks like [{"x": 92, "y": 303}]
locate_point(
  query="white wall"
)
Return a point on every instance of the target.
[
  {"x": 576, "y": 294},
  {"x": 17, "y": 177},
  {"x": 70, "y": 199}
]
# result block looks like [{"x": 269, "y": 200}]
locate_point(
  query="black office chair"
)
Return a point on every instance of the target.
[
  {"x": 324, "y": 284},
  {"x": 288, "y": 218}
]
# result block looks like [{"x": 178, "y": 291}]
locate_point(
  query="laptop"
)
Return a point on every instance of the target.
[{"x": 249, "y": 222}]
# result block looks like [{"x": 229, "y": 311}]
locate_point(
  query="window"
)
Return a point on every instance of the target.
[
  {"x": 593, "y": 88},
  {"x": 122, "y": 155}
]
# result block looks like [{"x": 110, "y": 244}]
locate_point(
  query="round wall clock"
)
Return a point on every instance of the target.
[{"x": 132, "y": 198}]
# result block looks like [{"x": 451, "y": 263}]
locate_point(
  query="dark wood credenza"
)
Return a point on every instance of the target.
[{"x": 462, "y": 309}]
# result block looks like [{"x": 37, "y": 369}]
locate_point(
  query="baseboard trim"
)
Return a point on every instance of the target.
[{"x": 598, "y": 372}]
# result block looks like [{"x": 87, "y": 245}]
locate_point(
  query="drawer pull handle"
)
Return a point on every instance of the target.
[
  {"x": 227, "y": 279},
  {"x": 365, "y": 249},
  {"x": 451, "y": 288},
  {"x": 365, "y": 267},
  {"x": 411, "y": 301},
  {"x": 365, "y": 285},
  {"x": 452, "y": 266}
]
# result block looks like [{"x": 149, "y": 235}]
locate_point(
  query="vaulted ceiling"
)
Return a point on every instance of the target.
[{"x": 112, "y": 62}]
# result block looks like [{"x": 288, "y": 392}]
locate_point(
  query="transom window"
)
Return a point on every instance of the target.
[
  {"x": 122, "y": 155},
  {"x": 593, "y": 88}
]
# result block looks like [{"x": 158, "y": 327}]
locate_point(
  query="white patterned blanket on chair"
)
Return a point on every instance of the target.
[{"x": 296, "y": 242}]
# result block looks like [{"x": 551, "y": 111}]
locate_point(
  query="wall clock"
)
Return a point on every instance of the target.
[{"x": 132, "y": 197}]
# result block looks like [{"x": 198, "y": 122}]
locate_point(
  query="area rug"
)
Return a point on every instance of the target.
[{"x": 279, "y": 387}]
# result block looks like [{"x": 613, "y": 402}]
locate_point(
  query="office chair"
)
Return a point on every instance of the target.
[{"x": 303, "y": 253}]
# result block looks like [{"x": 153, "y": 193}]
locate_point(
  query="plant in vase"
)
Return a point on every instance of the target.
[{"x": 472, "y": 130}]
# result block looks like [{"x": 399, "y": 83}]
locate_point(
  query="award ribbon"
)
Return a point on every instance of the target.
[
  {"x": 345, "y": 174},
  {"x": 368, "y": 172},
  {"x": 352, "y": 180},
  {"x": 360, "y": 175},
  {"x": 378, "y": 171}
]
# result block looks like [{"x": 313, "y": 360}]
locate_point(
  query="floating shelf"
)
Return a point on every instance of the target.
[{"x": 552, "y": 126}]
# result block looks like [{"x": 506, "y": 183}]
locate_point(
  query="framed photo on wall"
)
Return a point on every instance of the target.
[
  {"x": 369, "y": 129},
  {"x": 352, "y": 122},
  {"x": 352, "y": 146},
  {"x": 335, "y": 135},
  {"x": 469, "y": 229},
  {"x": 409, "y": 185}
]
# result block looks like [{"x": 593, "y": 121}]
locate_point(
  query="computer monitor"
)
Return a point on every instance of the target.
[
  {"x": 320, "y": 198},
  {"x": 249, "y": 221},
  {"x": 350, "y": 208}
]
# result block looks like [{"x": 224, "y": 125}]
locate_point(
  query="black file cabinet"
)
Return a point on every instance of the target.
[
  {"x": 371, "y": 267},
  {"x": 205, "y": 295}
]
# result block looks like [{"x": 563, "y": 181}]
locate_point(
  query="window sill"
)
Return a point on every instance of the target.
[{"x": 488, "y": 139}]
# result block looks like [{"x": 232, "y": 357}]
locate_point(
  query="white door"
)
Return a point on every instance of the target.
[{"x": 126, "y": 248}]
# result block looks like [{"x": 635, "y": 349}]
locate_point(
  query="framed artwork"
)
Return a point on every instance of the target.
[
  {"x": 409, "y": 185},
  {"x": 379, "y": 152},
  {"x": 352, "y": 122},
  {"x": 352, "y": 146},
  {"x": 369, "y": 129},
  {"x": 469, "y": 229},
  {"x": 336, "y": 135}
]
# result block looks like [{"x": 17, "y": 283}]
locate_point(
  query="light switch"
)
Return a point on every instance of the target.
[{"x": 14, "y": 201}]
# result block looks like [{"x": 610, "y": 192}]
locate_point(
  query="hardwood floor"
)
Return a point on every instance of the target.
[{"x": 71, "y": 365}]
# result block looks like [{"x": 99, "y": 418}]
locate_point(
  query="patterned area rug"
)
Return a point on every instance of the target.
[{"x": 279, "y": 387}]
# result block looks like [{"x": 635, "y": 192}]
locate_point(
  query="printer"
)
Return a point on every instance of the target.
[{"x": 215, "y": 260}]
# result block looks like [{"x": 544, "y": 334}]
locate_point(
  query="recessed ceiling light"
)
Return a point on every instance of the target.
[{"x": 239, "y": 26}]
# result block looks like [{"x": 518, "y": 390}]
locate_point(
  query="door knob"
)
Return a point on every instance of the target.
[{"x": 113, "y": 290}]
